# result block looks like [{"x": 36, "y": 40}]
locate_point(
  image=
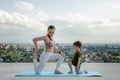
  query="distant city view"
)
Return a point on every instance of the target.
[{"x": 91, "y": 52}]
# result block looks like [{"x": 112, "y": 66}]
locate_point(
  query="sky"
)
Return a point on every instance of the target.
[{"x": 89, "y": 21}]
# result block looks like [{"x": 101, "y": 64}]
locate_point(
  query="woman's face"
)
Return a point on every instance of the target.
[{"x": 51, "y": 32}]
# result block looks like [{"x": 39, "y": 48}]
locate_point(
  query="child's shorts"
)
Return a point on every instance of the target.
[{"x": 75, "y": 64}]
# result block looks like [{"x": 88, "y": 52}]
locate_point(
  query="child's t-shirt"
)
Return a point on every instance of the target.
[{"x": 75, "y": 58}]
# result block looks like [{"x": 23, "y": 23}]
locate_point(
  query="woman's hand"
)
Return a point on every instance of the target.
[
  {"x": 35, "y": 53},
  {"x": 63, "y": 55}
]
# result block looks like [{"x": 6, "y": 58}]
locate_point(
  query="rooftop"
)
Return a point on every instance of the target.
[{"x": 109, "y": 71}]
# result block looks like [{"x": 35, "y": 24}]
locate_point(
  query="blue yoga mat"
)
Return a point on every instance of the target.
[{"x": 47, "y": 74}]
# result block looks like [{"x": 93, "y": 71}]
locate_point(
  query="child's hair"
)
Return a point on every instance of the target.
[{"x": 77, "y": 43}]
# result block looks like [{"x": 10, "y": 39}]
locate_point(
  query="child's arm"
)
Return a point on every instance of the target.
[{"x": 79, "y": 59}]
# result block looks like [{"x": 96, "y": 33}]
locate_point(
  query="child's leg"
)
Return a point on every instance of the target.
[
  {"x": 77, "y": 70},
  {"x": 70, "y": 66},
  {"x": 84, "y": 70}
]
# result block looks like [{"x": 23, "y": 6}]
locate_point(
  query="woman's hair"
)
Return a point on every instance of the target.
[
  {"x": 77, "y": 43},
  {"x": 51, "y": 27},
  {"x": 49, "y": 37}
]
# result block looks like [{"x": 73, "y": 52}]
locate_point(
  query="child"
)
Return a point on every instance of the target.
[{"x": 77, "y": 59}]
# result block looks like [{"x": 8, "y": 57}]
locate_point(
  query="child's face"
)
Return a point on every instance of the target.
[{"x": 76, "y": 48}]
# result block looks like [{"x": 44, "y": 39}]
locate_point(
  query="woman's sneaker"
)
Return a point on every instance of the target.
[
  {"x": 58, "y": 72},
  {"x": 70, "y": 72}
]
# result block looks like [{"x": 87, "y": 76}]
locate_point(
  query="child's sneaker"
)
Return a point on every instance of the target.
[{"x": 85, "y": 71}]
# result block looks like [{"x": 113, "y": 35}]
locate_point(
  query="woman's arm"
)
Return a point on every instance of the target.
[
  {"x": 56, "y": 49},
  {"x": 36, "y": 45},
  {"x": 60, "y": 52}
]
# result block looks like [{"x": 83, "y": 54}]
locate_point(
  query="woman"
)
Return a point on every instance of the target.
[{"x": 49, "y": 54}]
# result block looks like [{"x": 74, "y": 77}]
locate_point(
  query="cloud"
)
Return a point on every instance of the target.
[
  {"x": 12, "y": 18},
  {"x": 90, "y": 24},
  {"x": 39, "y": 15},
  {"x": 24, "y": 5},
  {"x": 85, "y": 28},
  {"x": 22, "y": 27},
  {"x": 17, "y": 19},
  {"x": 74, "y": 18},
  {"x": 105, "y": 30},
  {"x": 72, "y": 27},
  {"x": 116, "y": 6},
  {"x": 19, "y": 27}
]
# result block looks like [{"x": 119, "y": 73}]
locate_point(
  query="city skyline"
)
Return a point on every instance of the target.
[{"x": 90, "y": 21}]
